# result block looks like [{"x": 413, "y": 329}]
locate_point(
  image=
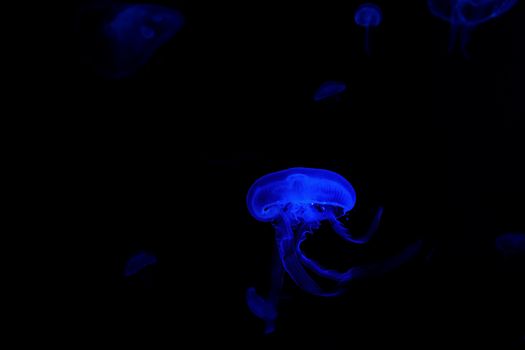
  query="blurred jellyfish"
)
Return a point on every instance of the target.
[
  {"x": 295, "y": 201},
  {"x": 120, "y": 39},
  {"x": 368, "y": 15},
  {"x": 511, "y": 245},
  {"x": 329, "y": 89},
  {"x": 138, "y": 262},
  {"x": 465, "y": 15}
]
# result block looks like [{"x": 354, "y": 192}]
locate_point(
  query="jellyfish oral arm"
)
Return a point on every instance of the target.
[
  {"x": 291, "y": 262},
  {"x": 340, "y": 277},
  {"x": 266, "y": 309},
  {"x": 347, "y": 236},
  {"x": 259, "y": 306},
  {"x": 369, "y": 270},
  {"x": 391, "y": 263}
]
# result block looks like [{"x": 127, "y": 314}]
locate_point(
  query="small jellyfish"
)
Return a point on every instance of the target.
[
  {"x": 511, "y": 245},
  {"x": 296, "y": 201},
  {"x": 138, "y": 262},
  {"x": 329, "y": 89},
  {"x": 368, "y": 15},
  {"x": 123, "y": 38},
  {"x": 465, "y": 15}
]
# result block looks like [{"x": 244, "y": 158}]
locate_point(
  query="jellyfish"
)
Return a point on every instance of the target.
[
  {"x": 329, "y": 89},
  {"x": 138, "y": 262},
  {"x": 123, "y": 38},
  {"x": 296, "y": 201},
  {"x": 368, "y": 15},
  {"x": 511, "y": 244},
  {"x": 465, "y": 15}
]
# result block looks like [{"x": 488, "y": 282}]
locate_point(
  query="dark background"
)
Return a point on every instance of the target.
[{"x": 162, "y": 161}]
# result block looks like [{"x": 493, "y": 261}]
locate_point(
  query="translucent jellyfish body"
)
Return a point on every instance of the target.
[
  {"x": 296, "y": 201},
  {"x": 138, "y": 262},
  {"x": 124, "y": 37},
  {"x": 368, "y": 16}
]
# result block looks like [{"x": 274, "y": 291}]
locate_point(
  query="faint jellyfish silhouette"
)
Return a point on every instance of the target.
[
  {"x": 139, "y": 262},
  {"x": 329, "y": 90},
  {"x": 465, "y": 15},
  {"x": 511, "y": 245},
  {"x": 295, "y": 201},
  {"x": 124, "y": 37},
  {"x": 368, "y": 15}
]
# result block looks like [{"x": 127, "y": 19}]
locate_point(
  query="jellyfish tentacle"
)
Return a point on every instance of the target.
[
  {"x": 454, "y": 28},
  {"x": 292, "y": 264},
  {"x": 367, "y": 39},
  {"x": 357, "y": 272},
  {"x": 344, "y": 233},
  {"x": 389, "y": 264},
  {"x": 464, "y": 40},
  {"x": 452, "y": 39}
]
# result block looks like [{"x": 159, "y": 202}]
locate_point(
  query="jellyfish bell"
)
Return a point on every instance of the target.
[
  {"x": 137, "y": 32},
  {"x": 465, "y": 15},
  {"x": 317, "y": 192},
  {"x": 368, "y": 16},
  {"x": 138, "y": 262},
  {"x": 329, "y": 89},
  {"x": 122, "y": 38},
  {"x": 469, "y": 12}
]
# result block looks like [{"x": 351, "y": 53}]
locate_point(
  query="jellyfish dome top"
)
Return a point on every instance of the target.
[
  {"x": 329, "y": 89},
  {"x": 296, "y": 201},
  {"x": 368, "y": 15},
  {"x": 464, "y": 15}
]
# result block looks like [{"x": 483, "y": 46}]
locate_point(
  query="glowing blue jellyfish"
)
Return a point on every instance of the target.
[
  {"x": 329, "y": 89},
  {"x": 465, "y": 15},
  {"x": 511, "y": 245},
  {"x": 138, "y": 262},
  {"x": 295, "y": 201},
  {"x": 368, "y": 15},
  {"x": 128, "y": 35}
]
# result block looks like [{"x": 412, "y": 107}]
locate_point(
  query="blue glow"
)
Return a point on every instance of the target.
[
  {"x": 511, "y": 244},
  {"x": 464, "y": 15},
  {"x": 134, "y": 34},
  {"x": 138, "y": 262},
  {"x": 329, "y": 89},
  {"x": 296, "y": 200},
  {"x": 368, "y": 15}
]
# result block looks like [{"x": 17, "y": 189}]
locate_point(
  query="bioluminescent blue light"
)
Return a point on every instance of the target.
[
  {"x": 329, "y": 89},
  {"x": 138, "y": 262},
  {"x": 296, "y": 201},
  {"x": 368, "y": 16},
  {"x": 127, "y": 36},
  {"x": 465, "y": 15},
  {"x": 511, "y": 244}
]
